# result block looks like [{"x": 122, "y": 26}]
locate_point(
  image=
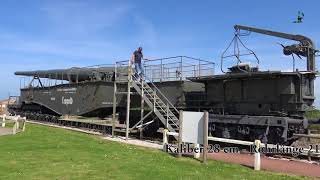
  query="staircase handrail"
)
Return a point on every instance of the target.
[{"x": 158, "y": 90}]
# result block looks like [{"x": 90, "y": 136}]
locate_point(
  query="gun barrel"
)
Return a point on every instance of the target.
[{"x": 71, "y": 74}]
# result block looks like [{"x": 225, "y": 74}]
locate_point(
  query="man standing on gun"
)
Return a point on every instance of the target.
[{"x": 136, "y": 59}]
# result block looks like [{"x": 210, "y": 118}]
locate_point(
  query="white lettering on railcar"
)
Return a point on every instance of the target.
[
  {"x": 67, "y": 101},
  {"x": 66, "y": 89},
  {"x": 108, "y": 103}
]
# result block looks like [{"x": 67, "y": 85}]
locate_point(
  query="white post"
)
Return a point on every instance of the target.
[
  {"x": 167, "y": 122},
  {"x": 180, "y": 143},
  {"x": 128, "y": 100},
  {"x": 24, "y": 123},
  {"x": 165, "y": 139},
  {"x": 205, "y": 137},
  {"x": 14, "y": 129},
  {"x": 4, "y": 120},
  {"x": 196, "y": 150},
  {"x": 17, "y": 122},
  {"x": 257, "y": 160}
]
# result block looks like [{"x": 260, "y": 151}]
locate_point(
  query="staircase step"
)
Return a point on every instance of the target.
[
  {"x": 174, "y": 119},
  {"x": 175, "y": 122},
  {"x": 151, "y": 93},
  {"x": 164, "y": 113},
  {"x": 170, "y": 115}
]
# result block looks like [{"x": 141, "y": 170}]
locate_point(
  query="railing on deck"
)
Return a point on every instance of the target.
[{"x": 177, "y": 68}]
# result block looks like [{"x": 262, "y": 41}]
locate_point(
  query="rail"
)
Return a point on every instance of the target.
[
  {"x": 304, "y": 152},
  {"x": 177, "y": 68}
]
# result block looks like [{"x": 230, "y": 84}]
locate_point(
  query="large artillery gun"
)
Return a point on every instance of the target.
[
  {"x": 244, "y": 103},
  {"x": 89, "y": 91}
]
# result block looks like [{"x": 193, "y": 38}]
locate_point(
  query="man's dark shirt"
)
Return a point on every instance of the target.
[{"x": 137, "y": 56}]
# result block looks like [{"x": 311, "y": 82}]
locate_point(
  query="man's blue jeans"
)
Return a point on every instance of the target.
[{"x": 138, "y": 69}]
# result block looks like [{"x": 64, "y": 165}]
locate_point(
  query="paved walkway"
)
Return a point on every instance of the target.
[
  {"x": 5, "y": 131},
  {"x": 269, "y": 164}
]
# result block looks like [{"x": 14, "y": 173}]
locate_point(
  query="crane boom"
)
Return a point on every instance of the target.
[{"x": 304, "y": 41}]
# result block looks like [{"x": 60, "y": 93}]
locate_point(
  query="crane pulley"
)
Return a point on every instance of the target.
[{"x": 238, "y": 53}]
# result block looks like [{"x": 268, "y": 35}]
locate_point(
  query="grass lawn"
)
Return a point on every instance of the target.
[{"x": 48, "y": 153}]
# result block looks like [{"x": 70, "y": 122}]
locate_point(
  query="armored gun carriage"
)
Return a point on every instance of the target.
[{"x": 246, "y": 103}]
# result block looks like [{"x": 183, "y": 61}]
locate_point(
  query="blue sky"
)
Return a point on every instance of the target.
[{"x": 56, "y": 34}]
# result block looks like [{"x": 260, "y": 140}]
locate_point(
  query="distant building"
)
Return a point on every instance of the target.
[{"x": 4, "y": 105}]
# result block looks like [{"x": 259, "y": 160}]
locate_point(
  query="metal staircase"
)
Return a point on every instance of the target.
[
  {"x": 162, "y": 107},
  {"x": 176, "y": 68}
]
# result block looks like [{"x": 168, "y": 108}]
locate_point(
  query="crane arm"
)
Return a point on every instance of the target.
[
  {"x": 304, "y": 41},
  {"x": 275, "y": 34}
]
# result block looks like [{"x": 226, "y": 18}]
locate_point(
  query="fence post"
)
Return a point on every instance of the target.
[
  {"x": 17, "y": 122},
  {"x": 24, "y": 123},
  {"x": 4, "y": 120},
  {"x": 205, "y": 137},
  {"x": 165, "y": 139},
  {"x": 14, "y": 128},
  {"x": 180, "y": 134},
  {"x": 257, "y": 160}
]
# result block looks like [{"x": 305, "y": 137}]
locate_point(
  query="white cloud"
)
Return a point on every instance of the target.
[
  {"x": 75, "y": 18},
  {"x": 80, "y": 49},
  {"x": 75, "y": 30},
  {"x": 65, "y": 34}
]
